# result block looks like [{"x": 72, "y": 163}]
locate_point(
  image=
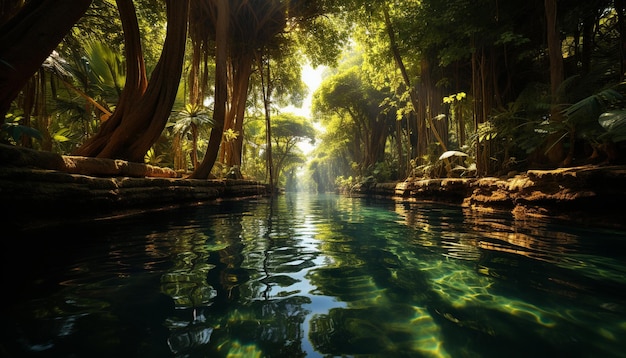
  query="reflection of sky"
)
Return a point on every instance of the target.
[{"x": 307, "y": 231}]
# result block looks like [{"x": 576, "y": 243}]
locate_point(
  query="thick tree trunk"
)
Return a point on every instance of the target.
[
  {"x": 164, "y": 83},
  {"x": 241, "y": 70},
  {"x": 134, "y": 89},
  {"x": 143, "y": 115},
  {"x": 29, "y": 38},
  {"x": 221, "y": 91}
]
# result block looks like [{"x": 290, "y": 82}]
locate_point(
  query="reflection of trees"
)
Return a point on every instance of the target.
[
  {"x": 439, "y": 228},
  {"x": 467, "y": 236},
  {"x": 206, "y": 271},
  {"x": 186, "y": 282},
  {"x": 529, "y": 238},
  {"x": 264, "y": 326},
  {"x": 254, "y": 256}
]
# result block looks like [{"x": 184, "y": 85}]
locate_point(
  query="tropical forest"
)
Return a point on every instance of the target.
[{"x": 417, "y": 88}]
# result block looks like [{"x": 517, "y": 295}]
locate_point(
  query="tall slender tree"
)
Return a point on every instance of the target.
[{"x": 253, "y": 27}]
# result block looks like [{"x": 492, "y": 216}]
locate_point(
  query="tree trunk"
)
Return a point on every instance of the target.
[
  {"x": 29, "y": 38},
  {"x": 241, "y": 69},
  {"x": 405, "y": 77},
  {"x": 221, "y": 91},
  {"x": 554, "y": 47},
  {"x": 266, "y": 87},
  {"x": 554, "y": 151},
  {"x": 620, "y": 7},
  {"x": 143, "y": 117},
  {"x": 134, "y": 89},
  {"x": 165, "y": 80}
]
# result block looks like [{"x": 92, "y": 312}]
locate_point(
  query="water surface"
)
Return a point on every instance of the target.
[{"x": 315, "y": 276}]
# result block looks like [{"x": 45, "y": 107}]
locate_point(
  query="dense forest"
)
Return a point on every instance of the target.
[{"x": 418, "y": 88}]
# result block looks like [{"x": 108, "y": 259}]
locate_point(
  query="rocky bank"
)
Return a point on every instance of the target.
[
  {"x": 591, "y": 194},
  {"x": 39, "y": 186}
]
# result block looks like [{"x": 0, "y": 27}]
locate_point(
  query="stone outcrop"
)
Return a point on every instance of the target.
[
  {"x": 11, "y": 156},
  {"x": 594, "y": 194},
  {"x": 589, "y": 193},
  {"x": 37, "y": 187}
]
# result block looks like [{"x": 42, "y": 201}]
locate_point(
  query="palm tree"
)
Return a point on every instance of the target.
[{"x": 191, "y": 120}]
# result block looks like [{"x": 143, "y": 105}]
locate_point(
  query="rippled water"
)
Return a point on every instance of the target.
[{"x": 315, "y": 275}]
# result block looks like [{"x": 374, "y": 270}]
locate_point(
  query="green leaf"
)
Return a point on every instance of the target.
[
  {"x": 17, "y": 130},
  {"x": 614, "y": 122}
]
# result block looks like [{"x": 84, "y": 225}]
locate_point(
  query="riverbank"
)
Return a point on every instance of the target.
[
  {"x": 590, "y": 194},
  {"x": 41, "y": 186}
]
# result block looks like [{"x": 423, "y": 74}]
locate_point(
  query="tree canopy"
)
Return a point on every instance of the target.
[{"x": 511, "y": 84}]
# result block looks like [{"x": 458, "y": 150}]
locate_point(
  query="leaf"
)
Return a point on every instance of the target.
[
  {"x": 452, "y": 153},
  {"x": 17, "y": 130},
  {"x": 60, "y": 138},
  {"x": 614, "y": 122}
]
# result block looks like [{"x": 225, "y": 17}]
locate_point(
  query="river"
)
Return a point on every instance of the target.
[{"x": 305, "y": 275}]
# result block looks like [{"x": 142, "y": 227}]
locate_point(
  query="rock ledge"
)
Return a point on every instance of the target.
[{"x": 592, "y": 194}]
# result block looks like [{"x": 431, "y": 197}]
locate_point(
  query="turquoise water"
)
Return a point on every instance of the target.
[{"x": 315, "y": 276}]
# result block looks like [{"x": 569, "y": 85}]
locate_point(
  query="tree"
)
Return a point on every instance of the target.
[
  {"x": 28, "y": 38},
  {"x": 253, "y": 27},
  {"x": 555, "y": 150},
  {"x": 192, "y": 119},
  {"x": 287, "y": 131},
  {"x": 350, "y": 95},
  {"x": 221, "y": 12},
  {"x": 144, "y": 107}
]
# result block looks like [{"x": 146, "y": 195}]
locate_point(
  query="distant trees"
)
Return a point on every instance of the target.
[
  {"x": 366, "y": 117},
  {"x": 252, "y": 30},
  {"x": 503, "y": 82}
]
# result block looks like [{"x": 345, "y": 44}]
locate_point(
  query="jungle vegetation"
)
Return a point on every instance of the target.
[{"x": 418, "y": 88}]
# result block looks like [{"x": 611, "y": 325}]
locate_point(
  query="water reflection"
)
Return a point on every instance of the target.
[{"x": 319, "y": 276}]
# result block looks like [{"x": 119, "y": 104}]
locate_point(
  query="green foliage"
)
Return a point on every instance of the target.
[
  {"x": 614, "y": 123},
  {"x": 11, "y": 131},
  {"x": 366, "y": 97},
  {"x": 322, "y": 38},
  {"x": 455, "y": 97},
  {"x": 600, "y": 117},
  {"x": 193, "y": 115},
  {"x": 288, "y": 127},
  {"x": 104, "y": 67},
  {"x": 62, "y": 135},
  {"x": 152, "y": 158},
  {"x": 345, "y": 184}
]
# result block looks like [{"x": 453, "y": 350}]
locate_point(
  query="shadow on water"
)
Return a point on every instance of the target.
[{"x": 306, "y": 275}]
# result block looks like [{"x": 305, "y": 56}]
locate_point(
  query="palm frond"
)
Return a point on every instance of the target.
[{"x": 614, "y": 122}]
